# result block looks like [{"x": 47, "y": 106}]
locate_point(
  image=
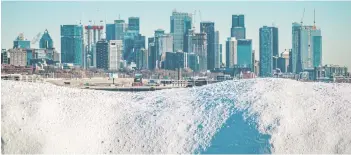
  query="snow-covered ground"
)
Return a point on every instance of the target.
[{"x": 300, "y": 117}]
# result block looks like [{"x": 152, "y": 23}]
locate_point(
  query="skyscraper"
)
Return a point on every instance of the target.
[
  {"x": 231, "y": 52},
  {"x": 115, "y": 54},
  {"x": 21, "y": 42},
  {"x": 110, "y": 32},
  {"x": 152, "y": 55},
  {"x": 4, "y": 56},
  {"x": 102, "y": 55},
  {"x": 268, "y": 47},
  {"x": 217, "y": 53},
  {"x": 18, "y": 57},
  {"x": 46, "y": 41},
  {"x": 165, "y": 44},
  {"x": 193, "y": 62},
  {"x": 120, "y": 29},
  {"x": 199, "y": 47},
  {"x": 139, "y": 43},
  {"x": 208, "y": 28},
  {"x": 221, "y": 55},
  {"x": 244, "y": 48},
  {"x": 306, "y": 47},
  {"x": 133, "y": 24},
  {"x": 275, "y": 46},
  {"x": 290, "y": 61},
  {"x": 128, "y": 45},
  {"x": 238, "y": 29},
  {"x": 72, "y": 44},
  {"x": 141, "y": 58},
  {"x": 171, "y": 60},
  {"x": 317, "y": 50},
  {"x": 180, "y": 24},
  {"x": 158, "y": 33}
]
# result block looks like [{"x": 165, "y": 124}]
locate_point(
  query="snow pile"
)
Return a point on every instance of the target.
[
  {"x": 301, "y": 117},
  {"x": 43, "y": 118}
]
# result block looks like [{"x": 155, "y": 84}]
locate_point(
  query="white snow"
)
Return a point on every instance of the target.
[{"x": 301, "y": 117}]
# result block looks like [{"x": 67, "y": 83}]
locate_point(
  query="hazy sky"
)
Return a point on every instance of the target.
[{"x": 334, "y": 19}]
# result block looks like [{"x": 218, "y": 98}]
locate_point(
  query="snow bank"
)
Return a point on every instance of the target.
[{"x": 301, "y": 117}]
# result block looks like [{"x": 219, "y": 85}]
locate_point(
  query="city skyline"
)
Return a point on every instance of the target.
[{"x": 257, "y": 14}]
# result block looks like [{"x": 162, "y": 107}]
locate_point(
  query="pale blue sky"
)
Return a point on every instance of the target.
[{"x": 334, "y": 19}]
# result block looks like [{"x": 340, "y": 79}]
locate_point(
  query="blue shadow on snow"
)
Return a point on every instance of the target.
[{"x": 237, "y": 136}]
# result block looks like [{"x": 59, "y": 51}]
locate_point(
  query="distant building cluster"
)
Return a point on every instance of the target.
[
  {"x": 22, "y": 54},
  {"x": 114, "y": 46}
]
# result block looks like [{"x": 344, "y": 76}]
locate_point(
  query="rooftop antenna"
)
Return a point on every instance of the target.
[{"x": 119, "y": 16}]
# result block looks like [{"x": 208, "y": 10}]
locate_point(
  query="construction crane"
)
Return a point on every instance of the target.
[
  {"x": 36, "y": 38},
  {"x": 194, "y": 21},
  {"x": 314, "y": 19},
  {"x": 201, "y": 21},
  {"x": 200, "y": 16},
  {"x": 303, "y": 14}
]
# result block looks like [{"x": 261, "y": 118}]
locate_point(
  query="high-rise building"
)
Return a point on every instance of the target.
[
  {"x": 190, "y": 35},
  {"x": 21, "y": 42},
  {"x": 317, "y": 50},
  {"x": 238, "y": 21},
  {"x": 306, "y": 47},
  {"x": 120, "y": 29},
  {"x": 268, "y": 50},
  {"x": 208, "y": 28},
  {"x": 171, "y": 60},
  {"x": 4, "y": 56},
  {"x": 18, "y": 57},
  {"x": 221, "y": 55},
  {"x": 275, "y": 45},
  {"x": 93, "y": 34},
  {"x": 128, "y": 45},
  {"x": 180, "y": 24},
  {"x": 139, "y": 43},
  {"x": 175, "y": 60},
  {"x": 193, "y": 62},
  {"x": 199, "y": 47},
  {"x": 244, "y": 48},
  {"x": 72, "y": 44},
  {"x": 46, "y": 41},
  {"x": 290, "y": 70},
  {"x": 115, "y": 54},
  {"x": 110, "y": 32},
  {"x": 165, "y": 44},
  {"x": 231, "y": 52},
  {"x": 181, "y": 60},
  {"x": 133, "y": 24},
  {"x": 102, "y": 54},
  {"x": 141, "y": 59},
  {"x": 217, "y": 53},
  {"x": 93, "y": 50},
  {"x": 310, "y": 50},
  {"x": 253, "y": 61},
  {"x": 158, "y": 33},
  {"x": 152, "y": 55},
  {"x": 238, "y": 29}
]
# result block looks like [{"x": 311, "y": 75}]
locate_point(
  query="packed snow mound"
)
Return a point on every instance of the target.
[{"x": 300, "y": 117}]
